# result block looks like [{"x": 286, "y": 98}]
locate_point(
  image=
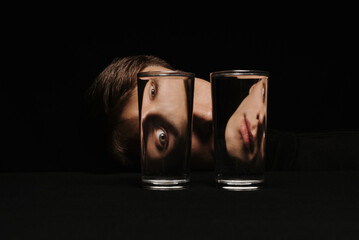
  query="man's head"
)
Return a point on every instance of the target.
[{"x": 115, "y": 90}]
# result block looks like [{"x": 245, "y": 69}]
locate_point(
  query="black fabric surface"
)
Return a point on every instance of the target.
[
  {"x": 327, "y": 150},
  {"x": 64, "y": 205}
]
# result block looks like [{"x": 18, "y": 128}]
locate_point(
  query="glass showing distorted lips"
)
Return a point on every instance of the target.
[
  {"x": 245, "y": 129},
  {"x": 247, "y": 135},
  {"x": 239, "y": 115}
]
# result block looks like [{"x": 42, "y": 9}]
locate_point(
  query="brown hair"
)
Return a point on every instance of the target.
[{"x": 111, "y": 90}]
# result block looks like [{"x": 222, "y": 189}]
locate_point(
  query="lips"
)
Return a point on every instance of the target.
[{"x": 247, "y": 135}]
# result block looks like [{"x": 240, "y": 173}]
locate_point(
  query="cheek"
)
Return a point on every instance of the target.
[
  {"x": 232, "y": 137},
  {"x": 198, "y": 145},
  {"x": 151, "y": 149}
]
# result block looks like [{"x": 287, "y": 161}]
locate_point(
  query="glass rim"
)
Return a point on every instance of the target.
[
  {"x": 238, "y": 72},
  {"x": 165, "y": 73}
]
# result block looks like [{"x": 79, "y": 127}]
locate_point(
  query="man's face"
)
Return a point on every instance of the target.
[
  {"x": 202, "y": 137},
  {"x": 245, "y": 130},
  {"x": 164, "y": 118}
]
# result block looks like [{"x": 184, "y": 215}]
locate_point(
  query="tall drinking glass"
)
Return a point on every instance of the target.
[
  {"x": 239, "y": 99},
  {"x": 165, "y": 101}
]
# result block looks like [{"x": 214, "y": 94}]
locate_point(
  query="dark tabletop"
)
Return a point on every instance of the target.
[{"x": 77, "y": 205}]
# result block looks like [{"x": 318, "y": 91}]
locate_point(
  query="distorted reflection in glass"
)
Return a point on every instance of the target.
[
  {"x": 165, "y": 120},
  {"x": 245, "y": 130},
  {"x": 239, "y": 118}
]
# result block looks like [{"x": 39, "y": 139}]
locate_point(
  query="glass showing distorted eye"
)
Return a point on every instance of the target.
[{"x": 161, "y": 138}]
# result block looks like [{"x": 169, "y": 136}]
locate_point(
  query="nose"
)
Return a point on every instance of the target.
[
  {"x": 202, "y": 110},
  {"x": 202, "y": 121}
]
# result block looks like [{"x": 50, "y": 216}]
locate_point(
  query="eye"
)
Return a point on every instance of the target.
[
  {"x": 264, "y": 93},
  {"x": 152, "y": 90},
  {"x": 161, "y": 138}
]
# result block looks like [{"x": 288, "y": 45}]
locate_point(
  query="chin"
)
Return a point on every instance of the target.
[{"x": 236, "y": 149}]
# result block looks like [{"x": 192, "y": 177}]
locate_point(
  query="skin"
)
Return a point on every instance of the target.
[
  {"x": 202, "y": 148},
  {"x": 164, "y": 117},
  {"x": 245, "y": 130}
]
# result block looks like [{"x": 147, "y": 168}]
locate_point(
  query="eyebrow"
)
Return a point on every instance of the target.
[{"x": 160, "y": 120}]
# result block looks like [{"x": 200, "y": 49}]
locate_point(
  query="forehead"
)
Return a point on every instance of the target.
[
  {"x": 171, "y": 93},
  {"x": 155, "y": 68}
]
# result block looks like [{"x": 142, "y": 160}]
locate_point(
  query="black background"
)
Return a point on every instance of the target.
[
  {"x": 50, "y": 64},
  {"x": 49, "y": 59}
]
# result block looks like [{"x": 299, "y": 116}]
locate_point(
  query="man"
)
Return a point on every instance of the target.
[{"x": 114, "y": 91}]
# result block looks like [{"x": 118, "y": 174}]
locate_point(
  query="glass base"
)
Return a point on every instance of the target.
[
  {"x": 165, "y": 184},
  {"x": 240, "y": 184}
]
